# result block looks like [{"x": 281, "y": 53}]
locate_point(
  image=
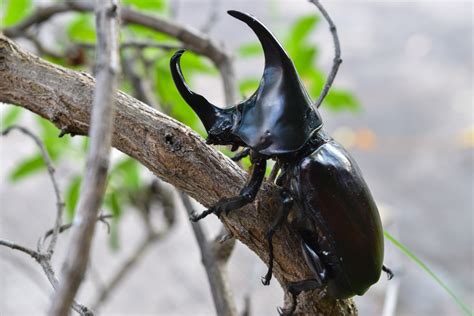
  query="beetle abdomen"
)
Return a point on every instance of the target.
[{"x": 336, "y": 198}]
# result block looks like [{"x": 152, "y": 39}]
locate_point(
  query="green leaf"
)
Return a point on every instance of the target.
[
  {"x": 300, "y": 30},
  {"x": 250, "y": 50},
  {"x": 11, "y": 116},
  {"x": 113, "y": 202},
  {"x": 82, "y": 29},
  {"x": 339, "y": 100},
  {"x": 425, "y": 268},
  {"x": 49, "y": 134},
  {"x": 140, "y": 31},
  {"x": 129, "y": 171},
  {"x": 72, "y": 196},
  {"x": 15, "y": 10},
  {"x": 148, "y": 5},
  {"x": 114, "y": 240},
  {"x": 27, "y": 167},
  {"x": 248, "y": 86}
]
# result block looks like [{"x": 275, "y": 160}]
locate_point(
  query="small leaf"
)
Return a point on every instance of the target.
[
  {"x": 11, "y": 116},
  {"x": 49, "y": 134},
  {"x": 129, "y": 172},
  {"x": 82, "y": 29},
  {"x": 248, "y": 86},
  {"x": 300, "y": 31},
  {"x": 72, "y": 196},
  {"x": 27, "y": 167},
  {"x": 339, "y": 100},
  {"x": 15, "y": 10},
  {"x": 250, "y": 50},
  {"x": 114, "y": 240},
  {"x": 114, "y": 204},
  {"x": 148, "y": 5}
]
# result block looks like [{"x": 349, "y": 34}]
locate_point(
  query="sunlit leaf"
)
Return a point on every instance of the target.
[
  {"x": 149, "y": 5},
  {"x": 300, "y": 31},
  {"x": 82, "y": 29},
  {"x": 129, "y": 171},
  {"x": 250, "y": 50},
  {"x": 338, "y": 100},
  {"x": 55, "y": 145},
  {"x": 248, "y": 86},
  {"x": 15, "y": 10},
  {"x": 72, "y": 196},
  {"x": 27, "y": 167},
  {"x": 11, "y": 116}
]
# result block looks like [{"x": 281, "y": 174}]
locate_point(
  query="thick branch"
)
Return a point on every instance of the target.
[
  {"x": 94, "y": 184},
  {"x": 191, "y": 39},
  {"x": 169, "y": 149}
]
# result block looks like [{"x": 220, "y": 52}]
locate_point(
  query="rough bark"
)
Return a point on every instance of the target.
[
  {"x": 98, "y": 157},
  {"x": 169, "y": 149}
]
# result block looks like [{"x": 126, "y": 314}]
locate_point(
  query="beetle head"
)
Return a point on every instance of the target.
[
  {"x": 217, "y": 122},
  {"x": 277, "y": 119}
]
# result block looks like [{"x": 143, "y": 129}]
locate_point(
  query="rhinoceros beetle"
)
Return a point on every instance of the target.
[{"x": 332, "y": 209}]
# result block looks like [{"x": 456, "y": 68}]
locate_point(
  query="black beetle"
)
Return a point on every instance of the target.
[{"x": 335, "y": 215}]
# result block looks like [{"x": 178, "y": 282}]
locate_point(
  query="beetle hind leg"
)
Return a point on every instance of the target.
[
  {"x": 388, "y": 271},
  {"x": 287, "y": 201},
  {"x": 319, "y": 281}
]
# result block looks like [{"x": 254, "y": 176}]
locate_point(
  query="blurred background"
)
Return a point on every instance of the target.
[{"x": 402, "y": 104}]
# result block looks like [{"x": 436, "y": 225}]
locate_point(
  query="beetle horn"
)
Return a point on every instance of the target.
[
  {"x": 206, "y": 111},
  {"x": 275, "y": 55}
]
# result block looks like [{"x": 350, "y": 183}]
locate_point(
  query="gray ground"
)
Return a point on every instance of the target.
[{"x": 410, "y": 64}]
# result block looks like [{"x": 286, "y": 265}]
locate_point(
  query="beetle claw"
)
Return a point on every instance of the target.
[{"x": 265, "y": 281}]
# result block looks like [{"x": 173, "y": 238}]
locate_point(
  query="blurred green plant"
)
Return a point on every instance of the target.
[{"x": 466, "y": 309}]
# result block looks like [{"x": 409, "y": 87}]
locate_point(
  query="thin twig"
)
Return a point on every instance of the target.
[
  {"x": 57, "y": 192},
  {"x": 35, "y": 255},
  {"x": 45, "y": 263},
  {"x": 212, "y": 18},
  {"x": 215, "y": 268},
  {"x": 65, "y": 227},
  {"x": 153, "y": 193},
  {"x": 94, "y": 184},
  {"x": 137, "y": 44},
  {"x": 141, "y": 87},
  {"x": 337, "y": 53}
]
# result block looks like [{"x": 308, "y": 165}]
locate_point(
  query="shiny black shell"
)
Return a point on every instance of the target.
[{"x": 338, "y": 219}]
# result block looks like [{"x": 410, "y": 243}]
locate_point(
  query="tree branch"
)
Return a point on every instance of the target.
[
  {"x": 214, "y": 265},
  {"x": 169, "y": 149},
  {"x": 191, "y": 39},
  {"x": 94, "y": 184},
  {"x": 59, "y": 201}
]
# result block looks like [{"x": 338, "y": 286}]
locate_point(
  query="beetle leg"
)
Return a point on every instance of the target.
[
  {"x": 287, "y": 201},
  {"x": 244, "y": 153},
  {"x": 246, "y": 196},
  {"x": 388, "y": 271},
  {"x": 295, "y": 288}
]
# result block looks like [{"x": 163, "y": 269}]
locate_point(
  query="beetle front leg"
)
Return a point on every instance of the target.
[
  {"x": 287, "y": 203},
  {"x": 239, "y": 156},
  {"x": 246, "y": 196}
]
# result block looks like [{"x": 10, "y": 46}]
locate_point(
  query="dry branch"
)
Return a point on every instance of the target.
[
  {"x": 169, "y": 149},
  {"x": 191, "y": 39},
  {"x": 94, "y": 184}
]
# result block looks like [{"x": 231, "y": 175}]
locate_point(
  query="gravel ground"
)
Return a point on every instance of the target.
[{"x": 410, "y": 64}]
